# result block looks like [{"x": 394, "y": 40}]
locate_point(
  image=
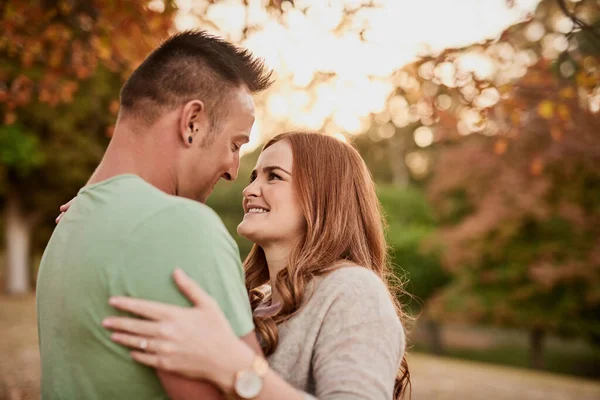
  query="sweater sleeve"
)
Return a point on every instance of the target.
[{"x": 361, "y": 340}]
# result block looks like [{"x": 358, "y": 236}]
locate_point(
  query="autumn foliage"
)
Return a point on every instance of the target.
[
  {"x": 516, "y": 188},
  {"x": 49, "y": 47},
  {"x": 520, "y": 218},
  {"x": 62, "y": 64}
]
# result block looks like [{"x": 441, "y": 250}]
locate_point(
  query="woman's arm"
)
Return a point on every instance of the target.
[
  {"x": 274, "y": 387},
  {"x": 358, "y": 363},
  {"x": 361, "y": 341},
  {"x": 195, "y": 342}
]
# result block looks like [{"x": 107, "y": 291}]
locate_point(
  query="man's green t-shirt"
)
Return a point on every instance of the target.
[{"x": 125, "y": 237}]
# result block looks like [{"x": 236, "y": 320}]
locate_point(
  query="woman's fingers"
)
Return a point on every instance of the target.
[
  {"x": 189, "y": 288},
  {"x": 143, "y": 308},
  {"x": 148, "y": 359},
  {"x": 66, "y": 206},
  {"x": 132, "y": 325},
  {"x": 135, "y": 342},
  {"x": 59, "y": 217},
  {"x": 63, "y": 209},
  {"x": 144, "y": 350}
]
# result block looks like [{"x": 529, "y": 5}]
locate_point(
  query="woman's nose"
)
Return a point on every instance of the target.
[{"x": 252, "y": 190}]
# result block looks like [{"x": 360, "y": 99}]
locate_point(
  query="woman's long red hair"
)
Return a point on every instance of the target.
[{"x": 343, "y": 222}]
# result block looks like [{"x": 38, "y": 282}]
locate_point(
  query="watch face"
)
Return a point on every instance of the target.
[{"x": 248, "y": 385}]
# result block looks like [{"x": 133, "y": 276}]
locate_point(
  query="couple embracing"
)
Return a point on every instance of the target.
[{"x": 141, "y": 293}]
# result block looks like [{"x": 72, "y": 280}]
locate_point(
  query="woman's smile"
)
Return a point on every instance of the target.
[{"x": 271, "y": 191}]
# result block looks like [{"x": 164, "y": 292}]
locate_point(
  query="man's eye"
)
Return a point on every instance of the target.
[{"x": 234, "y": 147}]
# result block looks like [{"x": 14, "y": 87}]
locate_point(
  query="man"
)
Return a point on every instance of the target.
[{"x": 185, "y": 112}]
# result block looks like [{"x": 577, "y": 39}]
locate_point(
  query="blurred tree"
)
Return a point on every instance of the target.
[
  {"x": 411, "y": 224},
  {"x": 62, "y": 65},
  {"x": 448, "y": 95},
  {"x": 516, "y": 180},
  {"x": 386, "y": 156}
]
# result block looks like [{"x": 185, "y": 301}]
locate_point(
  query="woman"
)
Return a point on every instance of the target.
[{"x": 318, "y": 280}]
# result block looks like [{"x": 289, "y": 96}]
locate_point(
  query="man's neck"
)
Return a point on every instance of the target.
[{"x": 137, "y": 153}]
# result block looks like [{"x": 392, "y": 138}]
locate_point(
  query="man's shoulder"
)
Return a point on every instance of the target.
[
  {"x": 181, "y": 225},
  {"x": 177, "y": 213},
  {"x": 192, "y": 210},
  {"x": 129, "y": 196}
]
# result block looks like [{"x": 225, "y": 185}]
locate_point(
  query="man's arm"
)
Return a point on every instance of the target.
[
  {"x": 203, "y": 248},
  {"x": 252, "y": 342},
  {"x": 180, "y": 388}
]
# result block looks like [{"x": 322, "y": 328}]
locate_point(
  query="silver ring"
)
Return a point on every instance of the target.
[{"x": 143, "y": 344}]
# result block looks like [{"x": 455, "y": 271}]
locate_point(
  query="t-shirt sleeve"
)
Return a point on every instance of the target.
[
  {"x": 191, "y": 237},
  {"x": 360, "y": 343}
]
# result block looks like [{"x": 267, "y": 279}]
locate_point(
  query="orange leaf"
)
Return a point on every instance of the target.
[
  {"x": 586, "y": 80},
  {"x": 567, "y": 93},
  {"x": 10, "y": 118},
  {"x": 515, "y": 117},
  {"x": 556, "y": 133},
  {"x": 500, "y": 146},
  {"x": 114, "y": 107},
  {"x": 536, "y": 167},
  {"x": 110, "y": 131},
  {"x": 546, "y": 109},
  {"x": 563, "y": 112}
]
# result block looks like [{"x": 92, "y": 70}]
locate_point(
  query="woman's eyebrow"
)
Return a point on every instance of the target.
[{"x": 270, "y": 168}]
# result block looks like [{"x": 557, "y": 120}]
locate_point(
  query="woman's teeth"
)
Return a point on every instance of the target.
[{"x": 257, "y": 210}]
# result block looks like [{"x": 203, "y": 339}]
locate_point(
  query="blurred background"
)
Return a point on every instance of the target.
[{"x": 479, "y": 120}]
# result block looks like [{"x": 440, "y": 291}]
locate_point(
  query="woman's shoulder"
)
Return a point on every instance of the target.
[
  {"x": 354, "y": 298},
  {"x": 352, "y": 279},
  {"x": 356, "y": 289}
]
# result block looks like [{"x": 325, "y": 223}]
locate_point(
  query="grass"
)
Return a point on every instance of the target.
[
  {"x": 434, "y": 378},
  {"x": 511, "y": 348}
]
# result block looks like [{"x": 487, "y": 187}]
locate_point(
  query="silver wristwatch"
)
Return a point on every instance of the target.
[{"x": 249, "y": 382}]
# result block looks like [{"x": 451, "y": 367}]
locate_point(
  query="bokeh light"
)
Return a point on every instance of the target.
[
  {"x": 313, "y": 52},
  {"x": 423, "y": 136}
]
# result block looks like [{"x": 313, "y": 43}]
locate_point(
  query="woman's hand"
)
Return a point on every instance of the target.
[
  {"x": 63, "y": 209},
  {"x": 196, "y": 342}
]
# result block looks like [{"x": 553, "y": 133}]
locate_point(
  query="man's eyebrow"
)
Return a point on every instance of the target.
[{"x": 242, "y": 138}]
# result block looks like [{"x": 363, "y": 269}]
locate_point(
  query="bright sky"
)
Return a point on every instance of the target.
[{"x": 301, "y": 45}]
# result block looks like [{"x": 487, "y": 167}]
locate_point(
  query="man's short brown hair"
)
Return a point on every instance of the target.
[{"x": 191, "y": 65}]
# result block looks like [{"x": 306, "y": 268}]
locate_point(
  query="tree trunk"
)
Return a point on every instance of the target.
[
  {"x": 433, "y": 333},
  {"x": 536, "y": 342},
  {"x": 396, "y": 154},
  {"x": 18, "y": 239}
]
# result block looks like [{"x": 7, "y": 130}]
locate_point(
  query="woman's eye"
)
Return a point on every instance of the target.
[
  {"x": 273, "y": 175},
  {"x": 252, "y": 177}
]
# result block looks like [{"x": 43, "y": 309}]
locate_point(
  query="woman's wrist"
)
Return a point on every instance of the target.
[{"x": 238, "y": 358}]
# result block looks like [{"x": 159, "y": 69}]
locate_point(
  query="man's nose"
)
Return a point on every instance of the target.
[{"x": 232, "y": 173}]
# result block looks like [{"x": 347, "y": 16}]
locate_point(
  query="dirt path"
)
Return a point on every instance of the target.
[
  {"x": 437, "y": 378},
  {"x": 19, "y": 358},
  {"x": 434, "y": 378}
]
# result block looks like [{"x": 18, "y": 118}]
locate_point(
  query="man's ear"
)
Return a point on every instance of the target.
[{"x": 194, "y": 122}]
